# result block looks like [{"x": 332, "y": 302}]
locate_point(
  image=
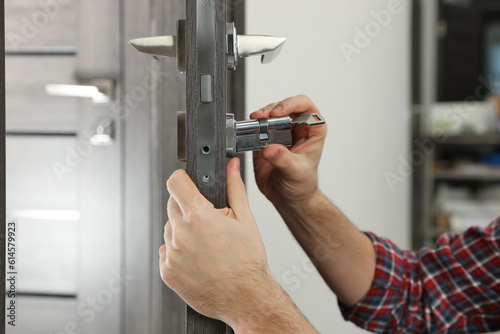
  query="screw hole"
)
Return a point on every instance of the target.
[
  {"x": 265, "y": 144},
  {"x": 206, "y": 149},
  {"x": 206, "y": 178}
]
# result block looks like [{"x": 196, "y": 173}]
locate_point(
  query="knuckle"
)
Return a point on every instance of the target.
[
  {"x": 169, "y": 261},
  {"x": 270, "y": 106},
  {"x": 178, "y": 240},
  {"x": 305, "y": 98},
  {"x": 170, "y": 182},
  {"x": 162, "y": 249},
  {"x": 173, "y": 261}
]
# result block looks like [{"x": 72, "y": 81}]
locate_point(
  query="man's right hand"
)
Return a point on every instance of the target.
[{"x": 288, "y": 177}]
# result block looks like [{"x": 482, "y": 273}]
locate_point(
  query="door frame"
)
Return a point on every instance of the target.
[{"x": 2, "y": 167}]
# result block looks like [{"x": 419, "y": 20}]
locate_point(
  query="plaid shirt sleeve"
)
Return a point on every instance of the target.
[{"x": 454, "y": 288}]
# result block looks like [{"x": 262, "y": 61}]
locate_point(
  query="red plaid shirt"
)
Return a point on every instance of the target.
[{"x": 454, "y": 288}]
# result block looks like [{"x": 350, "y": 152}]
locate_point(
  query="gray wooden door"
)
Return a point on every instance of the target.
[
  {"x": 91, "y": 217},
  {"x": 63, "y": 178},
  {"x": 173, "y": 95}
]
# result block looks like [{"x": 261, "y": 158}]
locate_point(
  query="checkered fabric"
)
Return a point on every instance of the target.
[{"x": 454, "y": 288}]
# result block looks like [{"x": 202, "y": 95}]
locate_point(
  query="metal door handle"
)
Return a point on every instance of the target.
[
  {"x": 238, "y": 46},
  {"x": 99, "y": 90}
]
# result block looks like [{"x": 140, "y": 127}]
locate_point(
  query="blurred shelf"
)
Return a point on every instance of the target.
[
  {"x": 485, "y": 175},
  {"x": 493, "y": 139}
]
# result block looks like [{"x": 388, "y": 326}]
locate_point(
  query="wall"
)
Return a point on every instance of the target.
[{"x": 366, "y": 102}]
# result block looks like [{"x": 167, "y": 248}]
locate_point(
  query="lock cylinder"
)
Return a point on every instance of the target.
[
  {"x": 263, "y": 125},
  {"x": 256, "y": 134}
]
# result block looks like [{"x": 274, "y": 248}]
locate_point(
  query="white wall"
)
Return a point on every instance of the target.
[{"x": 367, "y": 105}]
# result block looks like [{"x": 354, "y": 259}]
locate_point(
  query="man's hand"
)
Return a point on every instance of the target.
[
  {"x": 343, "y": 255},
  {"x": 288, "y": 177},
  {"x": 215, "y": 259}
]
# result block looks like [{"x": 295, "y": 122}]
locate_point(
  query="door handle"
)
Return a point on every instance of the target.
[
  {"x": 237, "y": 46},
  {"x": 99, "y": 90}
]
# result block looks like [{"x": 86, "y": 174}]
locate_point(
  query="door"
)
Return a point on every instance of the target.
[
  {"x": 64, "y": 141},
  {"x": 91, "y": 140}
]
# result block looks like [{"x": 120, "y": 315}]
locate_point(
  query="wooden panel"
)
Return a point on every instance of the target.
[
  {"x": 31, "y": 173},
  {"x": 29, "y": 107},
  {"x": 202, "y": 62},
  {"x": 38, "y": 315},
  {"x": 40, "y": 24}
]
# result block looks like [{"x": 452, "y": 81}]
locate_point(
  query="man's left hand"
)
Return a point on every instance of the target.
[{"x": 212, "y": 258}]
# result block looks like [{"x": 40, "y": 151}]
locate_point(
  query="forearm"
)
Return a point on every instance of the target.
[
  {"x": 344, "y": 256},
  {"x": 266, "y": 308}
]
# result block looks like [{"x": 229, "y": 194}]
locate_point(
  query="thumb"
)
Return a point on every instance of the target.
[
  {"x": 236, "y": 193},
  {"x": 281, "y": 158}
]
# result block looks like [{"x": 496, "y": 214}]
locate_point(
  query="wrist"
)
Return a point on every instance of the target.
[
  {"x": 302, "y": 208},
  {"x": 253, "y": 298},
  {"x": 267, "y": 308}
]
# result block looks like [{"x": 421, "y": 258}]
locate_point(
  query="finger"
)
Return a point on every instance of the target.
[
  {"x": 162, "y": 261},
  {"x": 281, "y": 158},
  {"x": 185, "y": 192},
  {"x": 167, "y": 234},
  {"x": 174, "y": 212},
  {"x": 236, "y": 193},
  {"x": 264, "y": 112},
  {"x": 294, "y": 105},
  {"x": 162, "y": 251},
  {"x": 261, "y": 166}
]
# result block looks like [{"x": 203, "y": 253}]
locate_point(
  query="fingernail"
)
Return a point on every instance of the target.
[
  {"x": 237, "y": 164},
  {"x": 278, "y": 108}
]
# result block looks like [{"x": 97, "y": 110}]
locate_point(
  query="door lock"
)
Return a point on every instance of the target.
[{"x": 251, "y": 135}]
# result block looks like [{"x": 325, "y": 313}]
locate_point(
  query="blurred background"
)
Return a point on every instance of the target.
[{"x": 409, "y": 90}]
